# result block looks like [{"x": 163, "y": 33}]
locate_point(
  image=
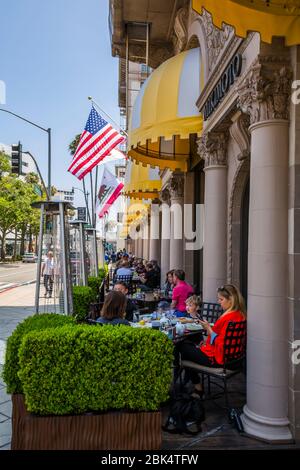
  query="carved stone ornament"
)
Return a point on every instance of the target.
[
  {"x": 240, "y": 134},
  {"x": 265, "y": 92},
  {"x": 180, "y": 30},
  {"x": 165, "y": 196},
  {"x": 212, "y": 148},
  {"x": 176, "y": 186},
  {"x": 216, "y": 38}
]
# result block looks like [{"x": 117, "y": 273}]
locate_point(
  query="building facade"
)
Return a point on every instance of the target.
[{"x": 242, "y": 163}]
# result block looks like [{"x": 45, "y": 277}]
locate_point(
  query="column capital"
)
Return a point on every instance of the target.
[
  {"x": 265, "y": 91},
  {"x": 212, "y": 148},
  {"x": 176, "y": 186},
  {"x": 165, "y": 196},
  {"x": 156, "y": 202},
  {"x": 239, "y": 131}
]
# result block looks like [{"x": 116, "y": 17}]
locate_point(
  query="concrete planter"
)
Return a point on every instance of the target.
[{"x": 115, "y": 430}]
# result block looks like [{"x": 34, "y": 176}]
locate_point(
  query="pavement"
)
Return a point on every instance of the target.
[{"x": 15, "y": 305}]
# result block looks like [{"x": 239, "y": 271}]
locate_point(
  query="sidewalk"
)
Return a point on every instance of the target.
[{"x": 15, "y": 305}]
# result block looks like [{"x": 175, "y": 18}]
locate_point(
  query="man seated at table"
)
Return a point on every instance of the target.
[
  {"x": 124, "y": 270},
  {"x": 130, "y": 306},
  {"x": 181, "y": 292},
  {"x": 150, "y": 279}
]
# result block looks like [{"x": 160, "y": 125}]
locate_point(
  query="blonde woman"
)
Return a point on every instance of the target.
[{"x": 211, "y": 351}]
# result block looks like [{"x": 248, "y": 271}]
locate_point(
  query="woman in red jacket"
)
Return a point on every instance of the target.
[{"x": 210, "y": 352}]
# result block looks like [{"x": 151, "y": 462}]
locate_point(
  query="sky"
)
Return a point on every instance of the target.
[{"x": 53, "y": 55}]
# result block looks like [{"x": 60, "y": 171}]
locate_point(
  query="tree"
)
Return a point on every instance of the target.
[
  {"x": 5, "y": 165},
  {"x": 16, "y": 212}
]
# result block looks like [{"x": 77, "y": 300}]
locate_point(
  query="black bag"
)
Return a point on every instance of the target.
[{"x": 186, "y": 415}]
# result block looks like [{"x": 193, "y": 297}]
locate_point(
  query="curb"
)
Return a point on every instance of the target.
[{"x": 14, "y": 286}]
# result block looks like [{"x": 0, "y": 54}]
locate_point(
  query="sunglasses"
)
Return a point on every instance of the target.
[{"x": 224, "y": 289}]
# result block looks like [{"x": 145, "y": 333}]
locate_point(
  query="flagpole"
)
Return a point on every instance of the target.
[
  {"x": 92, "y": 199},
  {"x": 107, "y": 115},
  {"x": 95, "y": 200},
  {"x": 86, "y": 201}
]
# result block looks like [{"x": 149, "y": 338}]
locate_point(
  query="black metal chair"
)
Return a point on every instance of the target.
[
  {"x": 210, "y": 311},
  {"x": 127, "y": 279},
  {"x": 234, "y": 357}
]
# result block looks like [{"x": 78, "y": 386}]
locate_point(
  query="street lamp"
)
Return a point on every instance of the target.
[
  {"x": 49, "y": 143},
  {"x": 86, "y": 196}
]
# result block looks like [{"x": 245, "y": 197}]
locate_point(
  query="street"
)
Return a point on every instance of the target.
[{"x": 16, "y": 273}]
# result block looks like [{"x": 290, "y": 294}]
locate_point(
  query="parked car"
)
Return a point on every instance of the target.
[{"x": 29, "y": 258}]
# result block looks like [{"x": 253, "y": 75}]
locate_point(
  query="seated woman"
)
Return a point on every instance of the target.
[
  {"x": 168, "y": 285},
  {"x": 114, "y": 309},
  {"x": 210, "y": 352}
]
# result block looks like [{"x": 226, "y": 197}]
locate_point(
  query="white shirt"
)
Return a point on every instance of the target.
[{"x": 48, "y": 267}]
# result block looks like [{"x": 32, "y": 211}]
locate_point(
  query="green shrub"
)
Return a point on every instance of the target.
[
  {"x": 82, "y": 298},
  {"x": 102, "y": 272},
  {"x": 35, "y": 322},
  {"x": 95, "y": 283},
  {"x": 94, "y": 368}
]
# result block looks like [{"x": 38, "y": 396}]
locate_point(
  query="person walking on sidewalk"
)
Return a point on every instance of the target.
[{"x": 48, "y": 273}]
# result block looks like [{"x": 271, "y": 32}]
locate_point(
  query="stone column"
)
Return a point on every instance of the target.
[
  {"x": 145, "y": 232},
  {"x": 176, "y": 188},
  {"x": 189, "y": 201},
  {"x": 165, "y": 235},
  {"x": 265, "y": 96},
  {"x": 139, "y": 244},
  {"x": 154, "y": 241},
  {"x": 213, "y": 148}
]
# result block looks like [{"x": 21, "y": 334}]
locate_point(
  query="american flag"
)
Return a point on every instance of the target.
[{"x": 96, "y": 142}]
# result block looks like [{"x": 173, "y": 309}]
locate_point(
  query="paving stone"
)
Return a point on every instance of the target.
[
  {"x": 5, "y": 433},
  {"x": 6, "y": 447},
  {"x": 3, "y": 418},
  {"x": 5, "y": 408},
  {"x": 4, "y": 397}
]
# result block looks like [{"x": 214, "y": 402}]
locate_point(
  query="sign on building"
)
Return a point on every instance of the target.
[{"x": 81, "y": 213}]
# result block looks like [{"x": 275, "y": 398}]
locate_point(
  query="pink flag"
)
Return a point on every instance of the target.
[{"x": 109, "y": 190}]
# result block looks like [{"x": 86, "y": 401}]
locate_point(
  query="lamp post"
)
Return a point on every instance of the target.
[
  {"x": 49, "y": 143},
  {"x": 86, "y": 196}
]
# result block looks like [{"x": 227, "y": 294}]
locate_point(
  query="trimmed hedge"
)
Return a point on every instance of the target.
[
  {"x": 95, "y": 283},
  {"x": 102, "y": 272},
  {"x": 35, "y": 322},
  {"x": 83, "y": 296},
  {"x": 94, "y": 368}
]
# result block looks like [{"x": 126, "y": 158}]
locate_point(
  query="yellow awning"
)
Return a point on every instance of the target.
[
  {"x": 269, "y": 18},
  {"x": 141, "y": 182},
  {"x": 165, "y": 114}
]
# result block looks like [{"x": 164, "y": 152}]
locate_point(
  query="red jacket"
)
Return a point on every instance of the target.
[{"x": 216, "y": 350}]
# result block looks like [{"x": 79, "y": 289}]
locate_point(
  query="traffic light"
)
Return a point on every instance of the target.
[{"x": 16, "y": 158}]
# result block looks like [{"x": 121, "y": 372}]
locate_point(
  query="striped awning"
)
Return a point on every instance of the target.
[
  {"x": 270, "y": 18},
  {"x": 141, "y": 182},
  {"x": 165, "y": 114}
]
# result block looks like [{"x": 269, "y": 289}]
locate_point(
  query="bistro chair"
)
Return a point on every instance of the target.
[
  {"x": 127, "y": 279},
  {"x": 210, "y": 311},
  {"x": 234, "y": 357}
]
